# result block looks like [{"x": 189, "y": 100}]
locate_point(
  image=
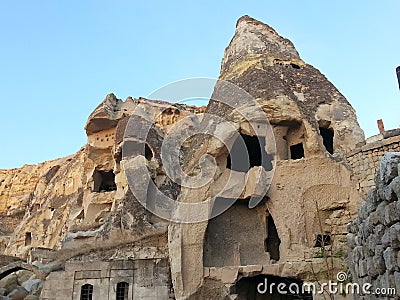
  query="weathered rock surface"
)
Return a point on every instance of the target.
[
  {"x": 301, "y": 105},
  {"x": 56, "y": 201},
  {"x": 9, "y": 283},
  {"x": 66, "y": 208},
  {"x": 19, "y": 293},
  {"x": 269, "y": 68},
  {"x": 20, "y": 285}
]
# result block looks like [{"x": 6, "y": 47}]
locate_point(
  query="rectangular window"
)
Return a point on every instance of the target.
[
  {"x": 122, "y": 291},
  {"x": 86, "y": 292},
  {"x": 297, "y": 151},
  {"x": 104, "y": 181}
]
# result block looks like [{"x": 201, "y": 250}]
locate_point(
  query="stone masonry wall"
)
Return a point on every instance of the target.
[
  {"x": 374, "y": 237},
  {"x": 146, "y": 279},
  {"x": 365, "y": 161}
]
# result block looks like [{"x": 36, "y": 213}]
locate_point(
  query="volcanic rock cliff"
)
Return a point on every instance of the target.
[
  {"x": 45, "y": 204},
  {"x": 283, "y": 215},
  {"x": 312, "y": 194}
]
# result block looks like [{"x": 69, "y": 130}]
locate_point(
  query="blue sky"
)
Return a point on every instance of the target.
[{"x": 59, "y": 59}]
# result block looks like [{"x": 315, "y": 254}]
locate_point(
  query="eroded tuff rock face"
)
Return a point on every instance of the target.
[
  {"x": 78, "y": 213},
  {"x": 270, "y": 69},
  {"x": 17, "y": 192},
  {"x": 312, "y": 195},
  {"x": 68, "y": 201}
]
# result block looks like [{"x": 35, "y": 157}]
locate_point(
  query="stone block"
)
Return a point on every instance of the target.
[
  {"x": 18, "y": 293},
  {"x": 351, "y": 242},
  {"x": 396, "y": 187},
  {"x": 397, "y": 282},
  {"x": 390, "y": 257},
  {"x": 389, "y": 167},
  {"x": 394, "y": 236},
  {"x": 380, "y": 210},
  {"x": 379, "y": 264},
  {"x": 89, "y": 274},
  {"x": 229, "y": 274},
  {"x": 362, "y": 268},
  {"x": 392, "y": 215}
]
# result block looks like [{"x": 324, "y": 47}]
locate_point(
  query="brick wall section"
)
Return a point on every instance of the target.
[{"x": 365, "y": 161}]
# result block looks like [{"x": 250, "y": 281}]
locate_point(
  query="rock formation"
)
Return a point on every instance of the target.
[
  {"x": 85, "y": 222},
  {"x": 63, "y": 210},
  {"x": 314, "y": 127}
]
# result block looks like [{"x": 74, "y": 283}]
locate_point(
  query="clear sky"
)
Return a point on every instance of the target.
[{"x": 59, "y": 59}]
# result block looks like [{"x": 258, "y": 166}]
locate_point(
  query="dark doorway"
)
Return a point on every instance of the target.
[
  {"x": 272, "y": 242},
  {"x": 247, "y": 152},
  {"x": 265, "y": 287},
  {"x": 297, "y": 151},
  {"x": 28, "y": 238},
  {"x": 104, "y": 181},
  {"x": 327, "y": 138}
]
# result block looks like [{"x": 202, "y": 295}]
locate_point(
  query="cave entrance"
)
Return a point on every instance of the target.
[
  {"x": 327, "y": 138},
  {"x": 297, "y": 151},
  {"x": 247, "y": 152},
  {"x": 104, "y": 181},
  {"x": 265, "y": 287},
  {"x": 272, "y": 242}
]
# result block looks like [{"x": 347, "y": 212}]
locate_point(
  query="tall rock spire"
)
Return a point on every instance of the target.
[
  {"x": 254, "y": 39},
  {"x": 270, "y": 69}
]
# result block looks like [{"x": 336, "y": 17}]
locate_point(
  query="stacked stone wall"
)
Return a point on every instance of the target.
[
  {"x": 374, "y": 236},
  {"x": 365, "y": 161}
]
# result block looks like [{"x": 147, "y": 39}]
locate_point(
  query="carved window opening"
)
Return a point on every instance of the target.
[
  {"x": 122, "y": 291},
  {"x": 290, "y": 138},
  {"x": 86, "y": 292},
  {"x": 104, "y": 181},
  {"x": 294, "y": 66},
  {"x": 323, "y": 240},
  {"x": 297, "y": 151},
  {"x": 28, "y": 238},
  {"x": 247, "y": 152},
  {"x": 272, "y": 242},
  {"x": 327, "y": 138}
]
